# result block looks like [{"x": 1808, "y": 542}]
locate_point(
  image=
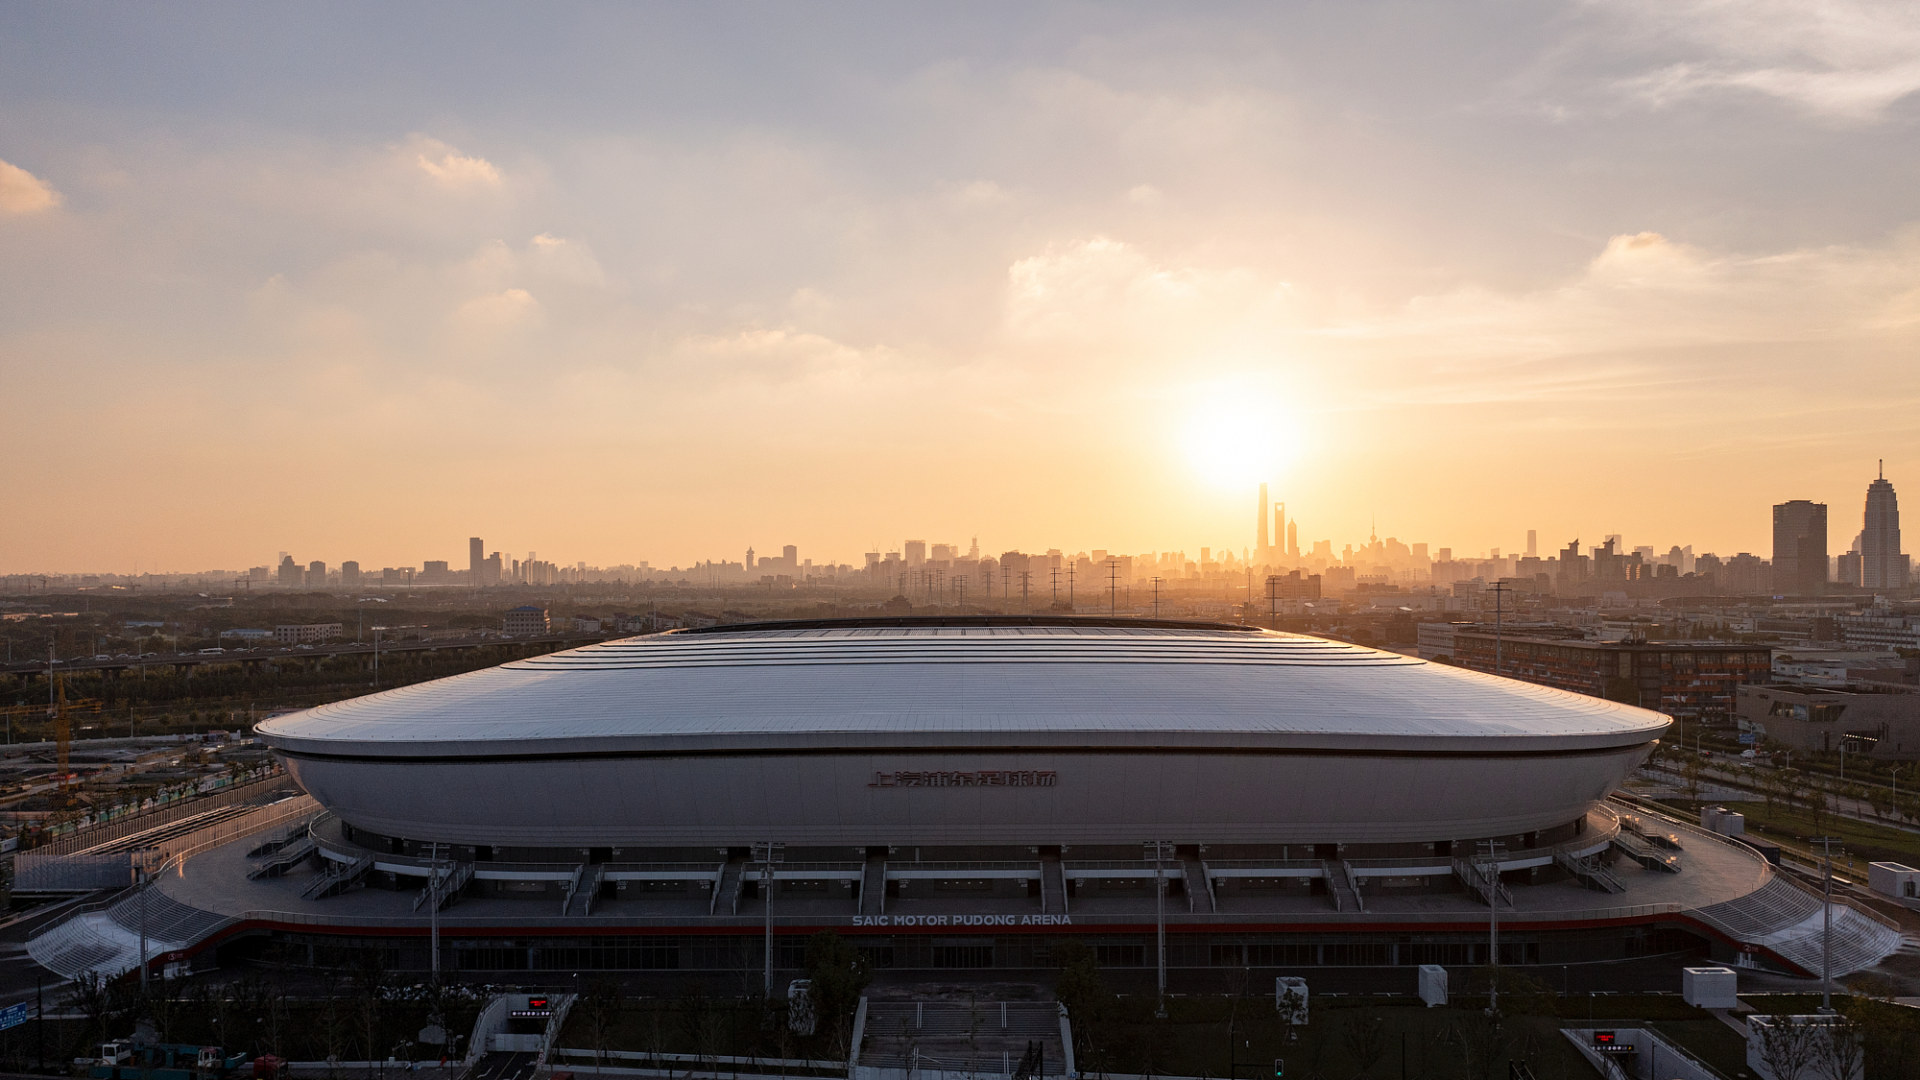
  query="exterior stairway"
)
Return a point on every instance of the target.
[
  {"x": 1053, "y": 885},
  {"x": 1199, "y": 889},
  {"x": 873, "y": 886}
]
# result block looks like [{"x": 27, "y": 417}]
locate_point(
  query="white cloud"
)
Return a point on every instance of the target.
[
  {"x": 21, "y": 192},
  {"x": 509, "y": 309},
  {"x": 452, "y": 169},
  {"x": 1846, "y": 59},
  {"x": 566, "y": 260}
]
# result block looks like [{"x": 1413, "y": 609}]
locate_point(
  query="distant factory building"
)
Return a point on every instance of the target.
[
  {"x": 526, "y": 620},
  {"x": 1685, "y": 680},
  {"x": 1881, "y": 721},
  {"x": 306, "y": 633}
]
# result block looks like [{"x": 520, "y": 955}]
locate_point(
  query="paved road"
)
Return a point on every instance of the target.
[
  {"x": 504, "y": 1065},
  {"x": 237, "y": 656}
]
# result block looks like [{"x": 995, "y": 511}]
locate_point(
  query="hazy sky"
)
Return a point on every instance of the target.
[{"x": 623, "y": 282}]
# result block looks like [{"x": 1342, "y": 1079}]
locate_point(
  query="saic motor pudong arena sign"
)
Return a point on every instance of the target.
[
  {"x": 962, "y": 920},
  {"x": 965, "y": 778}
]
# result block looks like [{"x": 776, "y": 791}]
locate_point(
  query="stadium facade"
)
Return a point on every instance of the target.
[{"x": 965, "y": 792}]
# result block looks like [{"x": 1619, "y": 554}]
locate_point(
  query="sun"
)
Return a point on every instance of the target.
[{"x": 1234, "y": 445}]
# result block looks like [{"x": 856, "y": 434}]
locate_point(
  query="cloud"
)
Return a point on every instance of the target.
[
  {"x": 1844, "y": 59},
  {"x": 566, "y": 260},
  {"x": 21, "y": 192},
  {"x": 451, "y": 169},
  {"x": 509, "y": 309}
]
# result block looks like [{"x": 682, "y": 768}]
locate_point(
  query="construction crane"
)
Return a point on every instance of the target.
[{"x": 60, "y": 712}]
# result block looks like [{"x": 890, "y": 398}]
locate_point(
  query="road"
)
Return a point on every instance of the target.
[
  {"x": 257, "y": 655},
  {"x": 1747, "y": 780},
  {"x": 503, "y": 1065}
]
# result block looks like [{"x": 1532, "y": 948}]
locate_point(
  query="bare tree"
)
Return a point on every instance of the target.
[
  {"x": 1842, "y": 1053},
  {"x": 1786, "y": 1045},
  {"x": 1365, "y": 1041}
]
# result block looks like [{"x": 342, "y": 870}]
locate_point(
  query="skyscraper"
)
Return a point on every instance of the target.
[
  {"x": 1262, "y": 543},
  {"x": 1800, "y": 547},
  {"x": 476, "y": 560},
  {"x": 1882, "y": 564}
]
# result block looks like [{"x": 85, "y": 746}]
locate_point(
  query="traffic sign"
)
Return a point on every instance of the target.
[{"x": 14, "y": 1015}]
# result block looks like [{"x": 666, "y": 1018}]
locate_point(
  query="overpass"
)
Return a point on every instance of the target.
[{"x": 263, "y": 654}]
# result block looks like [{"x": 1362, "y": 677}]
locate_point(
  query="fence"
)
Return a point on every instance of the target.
[{"x": 256, "y": 791}]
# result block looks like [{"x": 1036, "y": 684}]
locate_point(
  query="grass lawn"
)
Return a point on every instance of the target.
[{"x": 1864, "y": 842}]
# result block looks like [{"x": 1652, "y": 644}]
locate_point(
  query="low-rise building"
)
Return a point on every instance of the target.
[
  {"x": 306, "y": 633},
  {"x": 524, "y": 621},
  {"x": 1880, "y": 719},
  {"x": 1686, "y": 680}
]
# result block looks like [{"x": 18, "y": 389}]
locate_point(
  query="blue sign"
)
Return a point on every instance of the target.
[
  {"x": 1747, "y": 738},
  {"x": 14, "y": 1015}
]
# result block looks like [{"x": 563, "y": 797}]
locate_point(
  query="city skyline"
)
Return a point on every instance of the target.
[
  {"x": 654, "y": 282},
  {"x": 1805, "y": 556}
]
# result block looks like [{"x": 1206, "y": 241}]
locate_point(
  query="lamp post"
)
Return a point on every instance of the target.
[
  {"x": 1826, "y": 921},
  {"x": 1160, "y": 920}
]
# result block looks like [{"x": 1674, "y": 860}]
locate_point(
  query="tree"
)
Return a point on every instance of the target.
[
  {"x": 1841, "y": 1054},
  {"x": 1786, "y": 1045},
  {"x": 840, "y": 973},
  {"x": 600, "y": 1005},
  {"x": 1365, "y": 1041},
  {"x": 1080, "y": 988}
]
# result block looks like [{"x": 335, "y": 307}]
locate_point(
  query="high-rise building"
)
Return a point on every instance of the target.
[
  {"x": 476, "y": 560},
  {"x": 291, "y": 576},
  {"x": 317, "y": 574},
  {"x": 1533, "y": 544},
  {"x": 350, "y": 574},
  {"x": 791, "y": 554},
  {"x": 1262, "y": 543},
  {"x": 1800, "y": 547},
  {"x": 1293, "y": 539},
  {"x": 1280, "y": 523},
  {"x": 916, "y": 552},
  {"x": 1882, "y": 564}
]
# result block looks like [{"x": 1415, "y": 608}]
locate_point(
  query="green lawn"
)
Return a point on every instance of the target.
[{"x": 1864, "y": 842}]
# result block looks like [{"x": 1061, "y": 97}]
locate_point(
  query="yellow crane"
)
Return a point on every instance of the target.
[{"x": 59, "y": 711}]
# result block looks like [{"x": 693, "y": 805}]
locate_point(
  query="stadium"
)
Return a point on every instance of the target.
[{"x": 963, "y": 793}]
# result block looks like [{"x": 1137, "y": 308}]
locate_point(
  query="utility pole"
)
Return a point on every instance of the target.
[
  {"x": 1070, "y": 584},
  {"x": 144, "y": 878},
  {"x": 1499, "y": 593},
  {"x": 766, "y": 882},
  {"x": 1056, "y": 587},
  {"x": 1156, "y": 598},
  {"x": 1826, "y": 920},
  {"x": 1492, "y": 871},
  {"x": 433, "y": 909},
  {"x": 1113, "y": 593},
  {"x": 1160, "y": 919}
]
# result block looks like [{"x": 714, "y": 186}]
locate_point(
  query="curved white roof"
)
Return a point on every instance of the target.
[{"x": 961, "y": 686}]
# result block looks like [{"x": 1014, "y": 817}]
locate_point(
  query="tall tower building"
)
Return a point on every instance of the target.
[
  {"x": 1882, "y": 564},
  {"x": 1261, "y": 521},
  {"x": 1293, "y": 539},
  {"x": 1533, "y": 543},
  {"x": 1800, "y": 547},
  {"x": 1280, "y": 524},
  {"x": 476, "y": 560}
]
